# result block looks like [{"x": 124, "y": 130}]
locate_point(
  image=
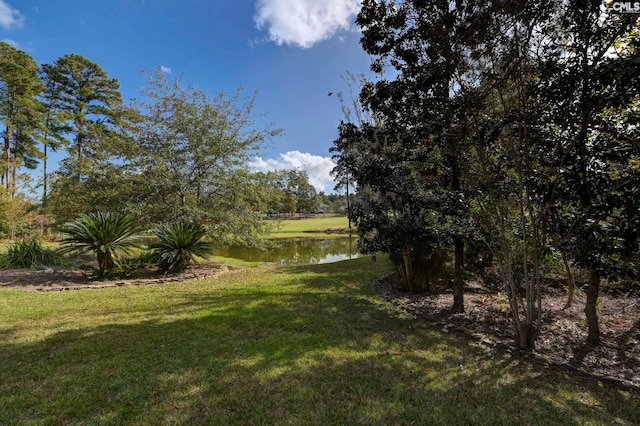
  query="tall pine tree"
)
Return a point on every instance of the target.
[{"x": 19, "y": 113}]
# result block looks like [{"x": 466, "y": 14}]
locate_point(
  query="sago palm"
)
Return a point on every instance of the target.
[
  {"x": 108, "y": 236},
  {"x": 178, "y": 244}
]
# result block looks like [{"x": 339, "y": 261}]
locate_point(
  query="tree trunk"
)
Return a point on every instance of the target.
[
  {"x": 526, "y": 337},
  {"x": 458, "y": 242},
  {"x": 105, "y": 261},
  {"x": 7, "y": 157},
  {"x": 14, "y": 179},
  {"x": 570, "y": 281},
  {"x": 593, "y": 337},
  {"x": 458, "y": 282},
  {"x": 44, "y": 177},
  {"x": 12, "y": 231},
  {"x": 348, "y": 205},
  {"x": 79, "y": 142},
  {"x": 407, "y": 270}
]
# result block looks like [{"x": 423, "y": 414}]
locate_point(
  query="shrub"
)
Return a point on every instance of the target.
[
  {"x": 107, "y": 236},
  {"x": 177, "y": 245},
  {"x": 23, "y": 254}
]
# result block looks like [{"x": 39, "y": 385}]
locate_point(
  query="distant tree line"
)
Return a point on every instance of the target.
[
  {"x": 501, "y": 130},
  {"x": 291, "y": 193}
]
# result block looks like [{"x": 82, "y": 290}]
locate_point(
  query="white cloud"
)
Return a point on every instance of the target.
[
  {"x": 304, "y": 22},
  {"x": 165, "y": 70},
  {"x": 10, "y": 17},
  {"x": 317, "y": 167}
]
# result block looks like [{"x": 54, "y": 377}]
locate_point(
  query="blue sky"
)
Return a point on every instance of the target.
[{"x": 292, "y": 52}]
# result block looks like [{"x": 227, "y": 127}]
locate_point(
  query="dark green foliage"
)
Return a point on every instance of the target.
[
  {"x": 29, "y": 254},
  {"x": 510, "y": 126},
  {"x": 106, "y": 235},
  {"x": 410, "y": 165},
  {"x": 178, "y": 244}
]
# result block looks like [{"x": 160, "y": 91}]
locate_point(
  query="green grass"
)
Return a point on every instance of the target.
[
  {"x": 325, "y": 226},
  {"x": 300, "y": 346}
]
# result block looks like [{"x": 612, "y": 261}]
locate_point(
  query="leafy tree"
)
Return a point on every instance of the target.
[
  {"x": 19, "y": 112},
  {"x": 393, "y": 213},
  {"x": 17, "y": 215},
  {"x": 423, "y": 112},
  {"x": 191, "y": 155},
  {"x": 107, "y": 186},
  {"x": 591, "y": 84},
  {"x": 298, "y": 186},
  {"x": 84, "y": 102},
  {"x": 270, "y": 190},
  {"x": 545, "y": 166},
  {"x": 273, "y": 184},
  {"x": 519, "y": 118},
  {"x": 107, "y": 236},
  {"x": 516, "y": 160}
]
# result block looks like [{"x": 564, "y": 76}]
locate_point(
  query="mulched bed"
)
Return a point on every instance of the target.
[
  {"x": 487, "y": 319},
  {"x": 72, "y": 279}
]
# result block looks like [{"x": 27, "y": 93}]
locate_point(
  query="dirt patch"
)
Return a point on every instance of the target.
[
  {"x": 487, "y": 319},
  {"x": 66, "y": 279}
]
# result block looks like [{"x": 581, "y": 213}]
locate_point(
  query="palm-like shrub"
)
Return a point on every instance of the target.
[
  {"x": 178, "y": 244},
  {"x": 107, "y": 236}
]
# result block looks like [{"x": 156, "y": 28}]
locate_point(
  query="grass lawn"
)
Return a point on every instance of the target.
[
  {"x": 300, "y": 345},
  {"x": 325, "y": 226}
]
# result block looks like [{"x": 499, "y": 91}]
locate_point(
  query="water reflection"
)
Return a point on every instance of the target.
[{"x": 295, "y": 251}]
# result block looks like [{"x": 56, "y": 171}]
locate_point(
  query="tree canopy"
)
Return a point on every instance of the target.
[{"x": 508, "y": 124}]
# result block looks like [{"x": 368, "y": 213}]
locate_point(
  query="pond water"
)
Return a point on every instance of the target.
[{"x": 295, "y": 251}]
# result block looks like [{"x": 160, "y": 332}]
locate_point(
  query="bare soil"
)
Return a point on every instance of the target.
[
  {"x": 60, "y": 279},
  {"x": 488, "y": 321}
]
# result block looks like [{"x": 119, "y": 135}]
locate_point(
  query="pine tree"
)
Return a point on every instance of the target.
[{"x": 19, "y": 113}]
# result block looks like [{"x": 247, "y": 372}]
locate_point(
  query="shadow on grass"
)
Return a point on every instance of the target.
[{"x": 319, "y": 350}]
